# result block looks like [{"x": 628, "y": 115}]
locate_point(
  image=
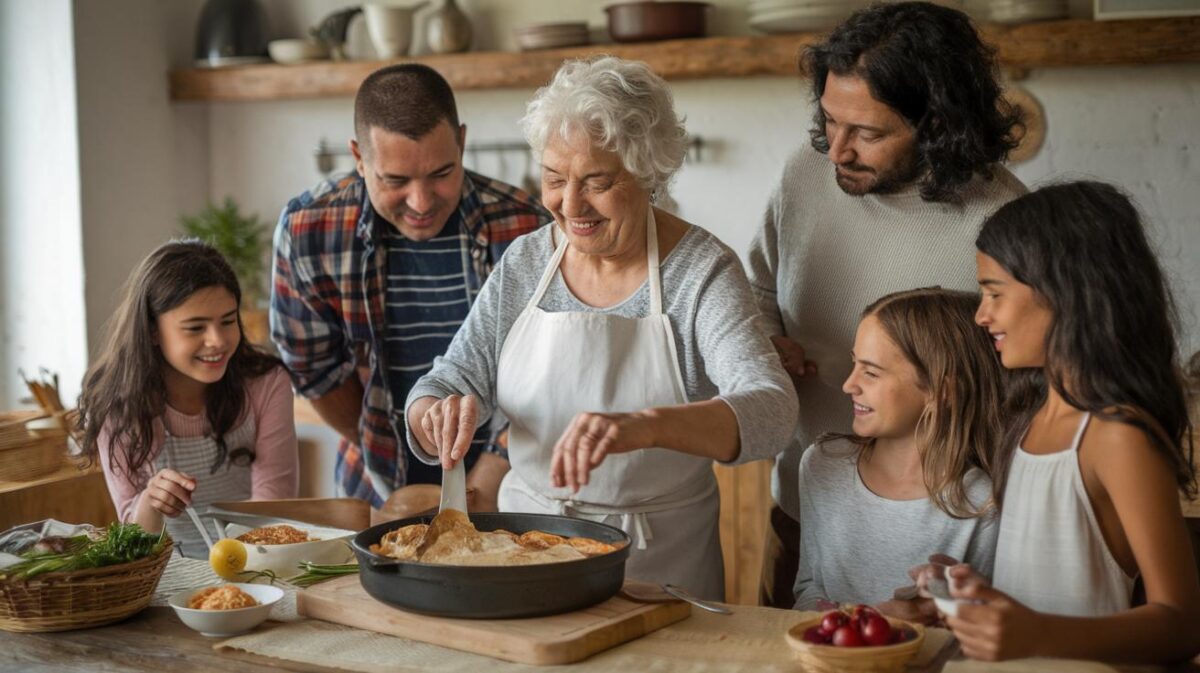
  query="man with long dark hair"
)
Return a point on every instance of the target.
[
  {"x": 376, "y": 270},
  {"x": 909, "y": 132}
]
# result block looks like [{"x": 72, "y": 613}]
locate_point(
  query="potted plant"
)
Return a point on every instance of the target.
[{"x": 241, "y": 239}]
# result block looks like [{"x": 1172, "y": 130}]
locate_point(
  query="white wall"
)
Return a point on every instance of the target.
[
  {"x": 142, "y": 160},
  {"x": 41, "y": 283}
]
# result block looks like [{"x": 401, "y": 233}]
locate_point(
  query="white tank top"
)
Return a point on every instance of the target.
[{"x": 1050, "y": 554}]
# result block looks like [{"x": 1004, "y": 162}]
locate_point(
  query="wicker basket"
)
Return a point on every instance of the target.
[
  {"x": 80, "y": 599},
  {"x": 12, "y": 427},
  {"x": 831, "y": 659},
  {"x": 36, "y": 457}
]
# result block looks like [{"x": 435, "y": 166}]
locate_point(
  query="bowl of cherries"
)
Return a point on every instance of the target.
[{"x": 856, "y": 638}]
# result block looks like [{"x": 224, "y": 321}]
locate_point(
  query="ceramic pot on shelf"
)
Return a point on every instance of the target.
[
  {"x": 448, "y": 30},
  {"x": 390, "y": 28}
]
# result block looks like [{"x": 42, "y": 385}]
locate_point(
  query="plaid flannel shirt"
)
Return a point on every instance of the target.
[{"x": 327, "y": 303}]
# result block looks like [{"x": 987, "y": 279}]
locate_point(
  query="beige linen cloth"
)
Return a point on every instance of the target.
[{"x": 750, "y": 640}]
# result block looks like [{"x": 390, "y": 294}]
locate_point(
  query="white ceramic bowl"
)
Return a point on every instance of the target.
[
  {"x": 296, "y": 51},
  {"x": 330, "y": 546},
  {"x": 227, "y": 622}
]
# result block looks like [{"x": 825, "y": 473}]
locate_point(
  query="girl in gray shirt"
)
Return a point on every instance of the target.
[{"x": 912, "y": 479}]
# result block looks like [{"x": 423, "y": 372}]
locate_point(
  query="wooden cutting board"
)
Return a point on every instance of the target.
[{"x": 558, "y": 639}]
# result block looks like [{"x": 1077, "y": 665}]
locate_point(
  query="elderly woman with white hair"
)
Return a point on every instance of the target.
[{"x": 621, "y": 343}]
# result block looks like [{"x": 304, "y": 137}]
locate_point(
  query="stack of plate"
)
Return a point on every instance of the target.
[
  {"x": 1019, "y": 11},
  {"x": 798, "y": 16},
  {"x": 552, "y": 35}
]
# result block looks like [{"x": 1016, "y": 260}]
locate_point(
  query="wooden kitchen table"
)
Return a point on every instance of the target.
[
  {"x": 155, "y": 640},
  {"x": 151, "y": 641}
]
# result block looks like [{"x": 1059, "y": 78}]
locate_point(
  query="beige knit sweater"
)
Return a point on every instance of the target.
[{"x": 822, "y": 256}]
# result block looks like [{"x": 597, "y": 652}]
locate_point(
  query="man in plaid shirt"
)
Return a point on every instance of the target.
[{"x": 375, "y": 271}]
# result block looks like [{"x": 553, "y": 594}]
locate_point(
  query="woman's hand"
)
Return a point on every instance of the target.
[
  {"x": 934, "y": 569},
  {"x": 590, "y": 438},
  {"x": 994, "y": 627},
  {"x": 449, "y": 426},
  {"x": 168, "y": 492}
]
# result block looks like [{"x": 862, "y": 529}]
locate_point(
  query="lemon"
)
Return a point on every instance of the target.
[{"x": 227, "y": 558}]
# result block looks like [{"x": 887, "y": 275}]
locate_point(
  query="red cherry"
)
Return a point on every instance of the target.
[
  {"x": 847, "y": 636},
  {"x": 864, "y": 610},
  {"x": 813, "y": 634},
  {"x": 876, "y": 630},
  {"x": 832, "y": 621}
]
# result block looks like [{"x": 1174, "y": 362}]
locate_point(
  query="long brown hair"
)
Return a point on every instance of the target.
[
  {"x": 124, "y": 391},
  {"x": 1082, "y": 248},
  {"x": 957, "y": 367}
]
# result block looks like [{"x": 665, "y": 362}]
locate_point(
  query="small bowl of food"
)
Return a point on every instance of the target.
[
  {"x": 855, "y": 639},
  {"x": 225, "y": 609},
  {"x": 280, "y": 548}
]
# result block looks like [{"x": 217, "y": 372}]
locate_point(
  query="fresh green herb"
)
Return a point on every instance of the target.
[
  {"x": 319, "y": 572},
  {"x": 121, "y": 543},
  {"x": 248, "y": 576}
]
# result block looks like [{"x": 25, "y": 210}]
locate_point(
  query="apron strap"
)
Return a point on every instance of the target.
[
  {"x": 652, "y": 264},
  {"x": 169, "y": 446},
  {"x": 551, "y": 269},
  {"x": 654, "y": 275}
]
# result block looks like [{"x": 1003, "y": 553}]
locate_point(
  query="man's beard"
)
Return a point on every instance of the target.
[{"x": 870, "y": 181}]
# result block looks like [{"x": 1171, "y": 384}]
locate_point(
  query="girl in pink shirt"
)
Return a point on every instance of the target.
[{"x": 179, "y": 408}]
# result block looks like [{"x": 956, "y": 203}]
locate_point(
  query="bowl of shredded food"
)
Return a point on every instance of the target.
[{"x": 226, "y": 609}]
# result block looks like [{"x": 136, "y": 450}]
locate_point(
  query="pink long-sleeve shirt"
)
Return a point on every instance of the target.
[{"x": 275, "y": 472}]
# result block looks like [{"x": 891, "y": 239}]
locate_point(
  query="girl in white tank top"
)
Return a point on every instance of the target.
[{"x": 1099, "y": 447}]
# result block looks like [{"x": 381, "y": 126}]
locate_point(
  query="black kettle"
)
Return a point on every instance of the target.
[{"x": 231, "y": 32}]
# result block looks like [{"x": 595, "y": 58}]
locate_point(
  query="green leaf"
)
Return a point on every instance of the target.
[{"x": 239, "y": 238}]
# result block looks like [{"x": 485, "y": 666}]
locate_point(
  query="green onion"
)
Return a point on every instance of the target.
[
  {"x": 120, "y": 543},
  {"x": 319, "y": 572}
]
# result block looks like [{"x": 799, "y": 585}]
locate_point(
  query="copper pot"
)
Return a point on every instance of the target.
[{"x": 646, "y": 21}]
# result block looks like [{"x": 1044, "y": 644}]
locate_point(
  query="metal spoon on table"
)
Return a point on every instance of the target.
[
  {"x": 682, "y": 595},
  {"x": 199, "y": 526}
]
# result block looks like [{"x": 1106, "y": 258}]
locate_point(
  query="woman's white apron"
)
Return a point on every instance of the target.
[{"x": 555, "y": 365}]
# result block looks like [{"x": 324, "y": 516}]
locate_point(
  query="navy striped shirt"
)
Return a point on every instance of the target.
[{"x": 429, "y": 291}]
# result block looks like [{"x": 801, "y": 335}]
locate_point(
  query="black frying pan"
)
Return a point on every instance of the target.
[{"x": 490, "y": 592}]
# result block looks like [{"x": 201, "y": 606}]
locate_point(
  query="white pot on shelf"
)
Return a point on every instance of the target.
[{"x": 390, "y": 28}]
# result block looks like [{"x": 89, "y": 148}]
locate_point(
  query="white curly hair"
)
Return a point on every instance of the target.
[{"x": 622, "y": 106}]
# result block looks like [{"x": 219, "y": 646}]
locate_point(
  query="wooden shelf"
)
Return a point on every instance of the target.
[{"x": 1031, "y": 45}]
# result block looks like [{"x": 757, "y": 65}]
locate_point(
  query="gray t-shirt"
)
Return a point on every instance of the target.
[
  {"x": 721, "y": 349},
  {"x": 857, "y": 547}
]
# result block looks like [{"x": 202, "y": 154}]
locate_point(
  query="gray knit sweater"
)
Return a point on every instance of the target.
[
  {"x": 822, "y": 256},
  {"x": 721, "y": 349}
]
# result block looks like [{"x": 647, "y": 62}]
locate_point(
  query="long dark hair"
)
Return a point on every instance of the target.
[
  {"x": 124, "y": 391},
  {"x": 957, "y": 367},
  {"x": 1111, "y": 347},
  {"x": 928, "y": 64}
]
